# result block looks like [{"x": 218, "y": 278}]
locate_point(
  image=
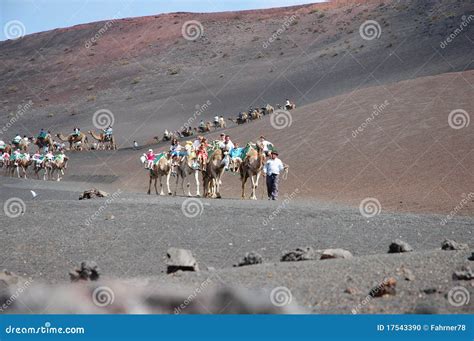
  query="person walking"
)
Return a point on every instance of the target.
[{"x": 271, "y": 171}]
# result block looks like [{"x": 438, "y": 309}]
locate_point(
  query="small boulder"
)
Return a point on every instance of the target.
[
  {"x": 398, "y": 246},
  {"x": 336, "y": 253},
  {"x": 386, "y": 288},
  {"x": 251, "y": 258},
  {"x": 93, "y": 193},
  {"x": 406, "y": 273},
  {"x": 299, "y": 254},
  {"x": 180, "y": 259},
  {"x": 451, "y": 245},
  {"x": 471, "y": 257},
  {"x": 465, "y": 274},
  {"x": 87, "y": 271}
]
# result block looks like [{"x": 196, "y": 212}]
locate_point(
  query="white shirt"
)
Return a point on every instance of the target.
[
  {"x": 273, "y": 166},
  {"x": 226, "y": 146}
]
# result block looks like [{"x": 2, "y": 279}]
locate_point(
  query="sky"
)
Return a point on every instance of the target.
[{"x": 32, "y": 16}]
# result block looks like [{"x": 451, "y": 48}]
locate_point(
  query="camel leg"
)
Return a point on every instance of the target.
[
  {"x": 196, "y": 177},
  {"x": 168, "y": 182},
  {"x": 156, "y": 189},
  {"x": 161, "y": 185},
  {"x": 149, "y": 185},
  {"x": 254, "y": 187},
  {"x": 244, "y": 180}
]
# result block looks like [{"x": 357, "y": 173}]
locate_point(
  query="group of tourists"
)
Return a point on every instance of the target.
[{"x": 199, "y": 150}]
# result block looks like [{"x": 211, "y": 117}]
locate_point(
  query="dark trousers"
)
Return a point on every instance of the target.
[{"x": 272, "y": 186}]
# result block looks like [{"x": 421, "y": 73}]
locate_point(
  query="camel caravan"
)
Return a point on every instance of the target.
[
  {"x": 243, "y": 117},
  {"x": 199, "y": 159}
]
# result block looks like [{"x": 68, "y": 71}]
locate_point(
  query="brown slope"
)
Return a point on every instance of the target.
[
  {"x": 319, "y": 55},
  {"x": 408, "y": 157}
]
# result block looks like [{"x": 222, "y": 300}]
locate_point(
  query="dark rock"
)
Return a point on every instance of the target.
[
  {"x": 299, "y": 254},
  {"x": 430, "y": 291},
  {"x": 180, "y": 259},
  {"x": 398, "y": 246},
  {"x": 451, "y": 245},
  {"x": 88, "y": 271},
  {"x": 251, "y": 258},
  {"x": 387, "y": 287},
  {"x": 465, "y": 274},
  {"x": 472, "y": 257},
  {"x": 336, "y": 253},
  {"x": 93, "y": 193}
]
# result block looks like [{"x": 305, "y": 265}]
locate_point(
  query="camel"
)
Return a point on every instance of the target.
[
  {"x": 22, "y": 164},
  {"x": 22, "y": 145},
  {"x": 104, "y": 141},
  {"x": 43, "y": 165},
  {"x": 206, "y": 128},
  {"x": 160, "y": 169},
  {"x": 57, "y": 165},
  {"x": 41, "y": 143},
  {"x": 251, "y": 167},
  {"x": 74, "y": 140},
  {"x": 268, "y": 109},
  {"x": 255, "y": 115},
  {"x": 243, "y": 118},
  {"x": 186, "y": 132},
  {"x": 213, "y": 173},
  {"x": 184, "y": 168},
  {"x": 291, "y": 106},
  {"x": 221, "y": 123}
]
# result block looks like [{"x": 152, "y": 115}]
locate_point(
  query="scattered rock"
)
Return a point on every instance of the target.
[
  {"x": 109, "y": 216},
  {"x": 88, "y": 271},
  {"x": 299, "y": 254},
  {"x": 398, "y": 246},
  {"x": 336, "y": 253},
  {"x": 351, "y": 291},
  {"x": 387, "y": 287},
  {"x": 465, "y": 274},
  {"x": 93, "y": 193},
  {"x": 251, "y": 258},
  {"x": 472, "y": 257},
  {"x": 406, "y": 273},
  {"x": 451, "y": 245},
  {"x": 180, "y": 259},
  {"x": 430, "y": 291}
]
